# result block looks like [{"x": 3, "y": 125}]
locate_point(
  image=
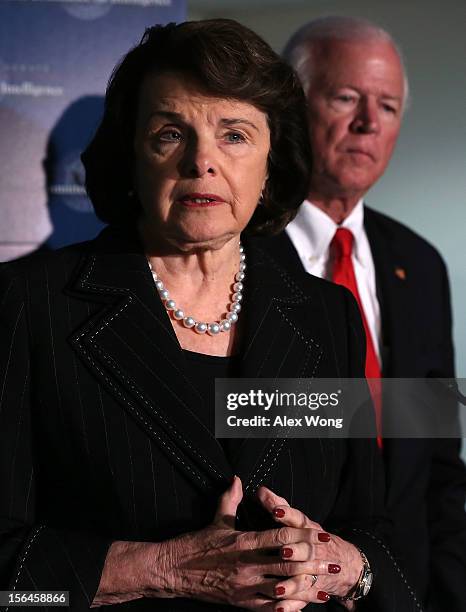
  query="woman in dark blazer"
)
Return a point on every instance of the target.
[{"x": 113, "y": 486}]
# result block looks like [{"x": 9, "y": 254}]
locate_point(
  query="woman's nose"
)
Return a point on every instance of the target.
[{"x": 199, "y": 159}]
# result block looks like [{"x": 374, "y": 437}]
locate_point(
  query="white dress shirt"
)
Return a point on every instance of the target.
[{"x": 311, "y": 232}]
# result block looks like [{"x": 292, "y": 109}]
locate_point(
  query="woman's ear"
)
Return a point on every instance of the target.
[
  {"x": 261, "y": 197},
  {"x": 265, "y": 181}
]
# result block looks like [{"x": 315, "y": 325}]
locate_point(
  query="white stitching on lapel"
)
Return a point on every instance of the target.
[{"x": 141, "y": 396}]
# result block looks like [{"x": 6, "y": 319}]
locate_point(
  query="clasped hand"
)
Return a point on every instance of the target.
[{"x": 269, "y": 570}]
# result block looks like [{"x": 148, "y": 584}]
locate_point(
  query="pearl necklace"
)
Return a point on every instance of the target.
[{"x": 200, "y": 327}]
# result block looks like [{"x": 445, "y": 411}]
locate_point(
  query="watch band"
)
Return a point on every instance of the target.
[{"x": 364, "y": 583}]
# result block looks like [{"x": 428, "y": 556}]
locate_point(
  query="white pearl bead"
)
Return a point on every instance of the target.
[
  {"x": 235, "y": 307},
  {"x": 225, "y": 325},
  {"x": 213, "y": 329}
]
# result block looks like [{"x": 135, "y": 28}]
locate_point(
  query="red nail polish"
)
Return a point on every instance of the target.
[
  {"x": 280, "y": 610},
  {"x": 287, "y": 553},
  {"x": 279, "y": 591},
  {"x": 323, "y": 537},
  {"x": 323, "y": 596},
  {"x": 279, "y": 513},
  {"x": 333, "y": 568}
]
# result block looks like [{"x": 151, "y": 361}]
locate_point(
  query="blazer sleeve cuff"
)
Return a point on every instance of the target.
[
  {"x": 60, "y": 560},
  {"x": 391, "y": 589}
]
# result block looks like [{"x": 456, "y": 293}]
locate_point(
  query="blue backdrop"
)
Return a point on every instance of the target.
[{"x": 55, "y": 61}]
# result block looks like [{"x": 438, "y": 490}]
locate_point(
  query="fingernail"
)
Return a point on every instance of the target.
[
  {"x": 333, "y": 568},
  {"x": 280, "y": 609},
  {"x": 280, "y": 591},
  {"x": 279, "y": 513},
  {"x": 323, "y": 537},
  {"x": 287, "y": 552},
  {"x": 323, "y": 596}
]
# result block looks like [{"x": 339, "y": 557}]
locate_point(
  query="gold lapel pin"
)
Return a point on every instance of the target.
[{"x": 401, "y": 273}]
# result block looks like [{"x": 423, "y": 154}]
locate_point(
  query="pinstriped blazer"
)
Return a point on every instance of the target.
[{"x": 99, "y": 439}]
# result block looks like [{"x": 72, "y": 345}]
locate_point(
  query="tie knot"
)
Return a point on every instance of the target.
[{"x": 342, "y": 242}]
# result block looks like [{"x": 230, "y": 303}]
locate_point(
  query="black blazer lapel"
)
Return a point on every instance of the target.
[
  {"x": 132, "y": 348},
  {"x": 393, "y": 281},
  {"x": 278, "y": 342},
  {"x": 283, "y": 250},
  {"x": 278, "y": 339}
]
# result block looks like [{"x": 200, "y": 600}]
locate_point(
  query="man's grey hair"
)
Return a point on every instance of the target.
[{"x": 298, "y": 50}]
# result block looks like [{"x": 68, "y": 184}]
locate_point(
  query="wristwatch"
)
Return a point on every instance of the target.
[{"x": 363, "y": 585}]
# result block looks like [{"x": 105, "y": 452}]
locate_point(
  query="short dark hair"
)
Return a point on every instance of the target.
[{"x": 229, "y": 61}]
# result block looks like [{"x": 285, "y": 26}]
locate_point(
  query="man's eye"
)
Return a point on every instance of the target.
[
  {"x": 389, "y": 109},
  {"x": 345, "y": 98}
]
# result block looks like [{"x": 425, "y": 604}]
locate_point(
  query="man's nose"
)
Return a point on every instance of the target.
[
  {"x": 199, "y": 158},
  {"x": 367, "y": 120}
]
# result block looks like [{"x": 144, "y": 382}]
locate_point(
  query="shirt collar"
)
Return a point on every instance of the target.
[{"x": 315, "y": 229}]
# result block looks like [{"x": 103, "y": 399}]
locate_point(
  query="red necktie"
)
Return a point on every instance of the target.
[{"x": 341, "y": 249}]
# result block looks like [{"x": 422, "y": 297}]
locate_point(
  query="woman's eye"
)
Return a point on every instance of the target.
[
  {"x": 234, "y": 137},
  {"x": 170, "y": 136}
]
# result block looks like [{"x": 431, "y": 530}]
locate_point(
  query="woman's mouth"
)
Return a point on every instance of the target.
[{"x": 200, "y": 200}]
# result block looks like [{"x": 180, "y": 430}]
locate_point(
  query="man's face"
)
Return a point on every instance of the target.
[{"x": 355, "y": 109}]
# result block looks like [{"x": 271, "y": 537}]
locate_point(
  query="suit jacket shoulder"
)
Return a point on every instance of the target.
[{"x": 404, "y": 239}]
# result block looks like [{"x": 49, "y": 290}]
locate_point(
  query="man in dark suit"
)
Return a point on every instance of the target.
[{"x": 356, "y": 86}]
